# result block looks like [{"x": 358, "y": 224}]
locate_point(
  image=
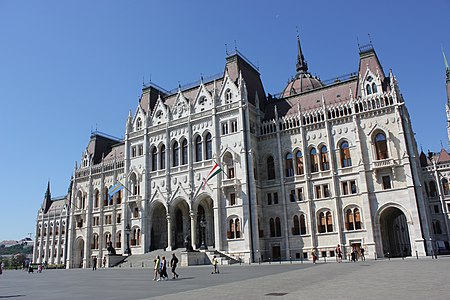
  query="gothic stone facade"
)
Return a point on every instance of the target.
[{"x": 321, "y": 164}]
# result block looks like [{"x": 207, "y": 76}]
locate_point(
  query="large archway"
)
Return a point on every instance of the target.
[
  {"x": 181, "y": 224},
  {"x": 79, "y": 253},
  {"x": 205, "y": 223},
  {"x": 394, "y": 233},
  {"x": 158, "y": 228}
]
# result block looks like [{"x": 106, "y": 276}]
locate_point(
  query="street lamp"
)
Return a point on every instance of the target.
[
  {"x": 127, "y": 231},
  {"x": 203, "y": 235}
]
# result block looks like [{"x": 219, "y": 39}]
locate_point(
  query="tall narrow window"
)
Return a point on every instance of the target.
[
  {"x": 184, "y": 152},
  {"x": 324, "y": 162},
  {"x": 433, "y": 190},
  {"x": 387, "y": 182},
  {"x": 329, "y": 222},
  {"x": 381, "y": 146},
  {"x": 374, "y": 88},
  {"x": 314, "y": 160},
  {"x": 175, "y": 154},
  {"x": 198, "y": 148},
  {"x": 368, "y": 89},
  {"x": 299, "y": 162},
  {"x": 357, "y": 217},
  {"x": 302, "y": 224},
  {"x": 322, "y": 223},
  {"x": 232, "y": 199},
  {"x": 162, "y": 159},
  {"x": 349, "y": 224},
  {"x": 231, "y": 229},
  {"x": 238, "y": 228},
  {"x": 154, "y": 159},
  {"x": 272, "y": 227},
  {"x": 346, "y": 160},
  {"x": 289, "y": 165},
  {"x": 270, "y": 168},
  {"x": 138, "y": 124},
  {"x": 277, "y": 226},
  {"x": 445, "y": 186},
  {"x": 208, "y": 146},
  {"x": 296, "y": 228}
]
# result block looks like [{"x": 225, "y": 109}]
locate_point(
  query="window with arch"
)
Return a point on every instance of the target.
[
  {"x": 433, "y": 190},
  {"x": 437, "y": 227},
  {"x": 314, "y": 160},
  {"x": 198, "y": 148},
  {"x": 118, "y": 239},
  {"x": 296, "y": 228},
  {"x": 302, "y": 224},
  {"x": 275, "y": 227},
  {"x": 289, "y": 166},
  {"x": 138, "y": 124},
  {"x": 324, "y": 161},
  {"x": 135, "y": 188},
  {"x": 175, "y": 154},
  {"x": 154, "y": 159},
  {"x": 234, "y": 229},
  {"x": 105, "y": 196},
  {"x": 352, "y": 219},
  {"x": 325, "y": 222},
  {"x": 136, "y": 237},
  {"x": 368, "y": 89},
  {"x": 270, "y": 168},
  {"x": 374, "y": 88},
  {"x": 346, "y": 160},
  {"x": 162, "y": 159},
  {"x": 97, "y": 199},
  {"x": 381, "y": 146},
  {"x": 229, "y": 164},
  {"x": 445, "y": 186},
  {"x": 184, "y": 152},
  {"x": 299, "y": 162},
  {"x": 228, "y": 96},
  {"x": 107, "y": 239},
  {"x": 95, "y": 241},
  {"x": 208, "y": 146}
]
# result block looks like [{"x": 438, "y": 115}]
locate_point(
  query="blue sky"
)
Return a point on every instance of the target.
[{"x": 69, "y": 67}]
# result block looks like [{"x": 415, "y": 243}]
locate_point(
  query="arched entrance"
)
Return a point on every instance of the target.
[
  {"x": 205, "y": 223},
  {"x": 394, "y": 233},
  {"x": 181, "y": 225},
  {"x": 158, "y": 239},
  {"x": 79, "y": 253}
]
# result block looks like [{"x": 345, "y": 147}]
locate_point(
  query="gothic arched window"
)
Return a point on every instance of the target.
[{"x": 381, "y": 146}]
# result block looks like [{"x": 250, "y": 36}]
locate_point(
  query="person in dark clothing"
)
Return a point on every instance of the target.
[{"x": 173, "y": 264}]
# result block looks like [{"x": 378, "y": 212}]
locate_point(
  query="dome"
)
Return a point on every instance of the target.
[{"x": 302, "y": 82}]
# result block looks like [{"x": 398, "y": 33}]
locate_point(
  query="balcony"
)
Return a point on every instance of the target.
[
  {"x": 383, "y": 163},
  {"x": 230, "y": 182}
]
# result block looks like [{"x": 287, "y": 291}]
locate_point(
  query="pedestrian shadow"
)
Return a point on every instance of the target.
[{"x": 11, "y": 296}]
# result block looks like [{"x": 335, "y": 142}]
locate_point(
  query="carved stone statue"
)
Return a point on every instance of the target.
[
  {"x": 187, "y": 243},
  {"x": 111, "y": 250}
]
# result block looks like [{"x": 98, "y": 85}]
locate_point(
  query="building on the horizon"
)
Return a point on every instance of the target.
[
  {"x": 320, "y": 164},
  {"x": 50, "y": 242}
]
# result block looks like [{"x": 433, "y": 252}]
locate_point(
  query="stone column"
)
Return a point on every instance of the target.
[
  {"x": 169, "y": 234},
  {"x": 193, "y": 229}
]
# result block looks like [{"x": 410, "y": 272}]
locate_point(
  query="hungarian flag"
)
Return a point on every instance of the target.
[{"x": 214, "y": 171}]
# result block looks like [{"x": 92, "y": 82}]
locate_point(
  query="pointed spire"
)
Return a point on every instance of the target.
[
  {"x": 447, "y": 69},
  {"x": 47, "y": 198},
  {"x": 302, "y": 66}
]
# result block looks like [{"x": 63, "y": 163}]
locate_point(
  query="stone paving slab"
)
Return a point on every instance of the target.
[{"x": 425, "y": 278}]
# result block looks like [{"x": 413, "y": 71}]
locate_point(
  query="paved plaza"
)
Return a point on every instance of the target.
[{"x": 425, "y": 278}]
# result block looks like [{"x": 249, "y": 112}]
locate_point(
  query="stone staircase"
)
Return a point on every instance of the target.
[
  {"x": 221, "y": 257},
  {"x": 146, "y": 260}
]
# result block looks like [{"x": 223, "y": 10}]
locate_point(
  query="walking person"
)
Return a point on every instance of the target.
[
  {"x": 163, "y": 267},
  {"x": 314, "y": 256},
  {"x": 156, "y": 266},
  {"x": 173, "y": 265},
  {"x": 339, "y": 253},
  {"x": 215, "y": 263},
  {"x": 94, "y": 263},
  {"x": 363, "y": 258},
  {"x": 104, "y": 261}
]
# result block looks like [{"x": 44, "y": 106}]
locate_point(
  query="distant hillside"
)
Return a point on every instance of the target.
[{"x": 15, "y": 249}]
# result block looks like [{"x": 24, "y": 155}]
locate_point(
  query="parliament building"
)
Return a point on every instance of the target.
[{"x": 320, "y": 164}]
